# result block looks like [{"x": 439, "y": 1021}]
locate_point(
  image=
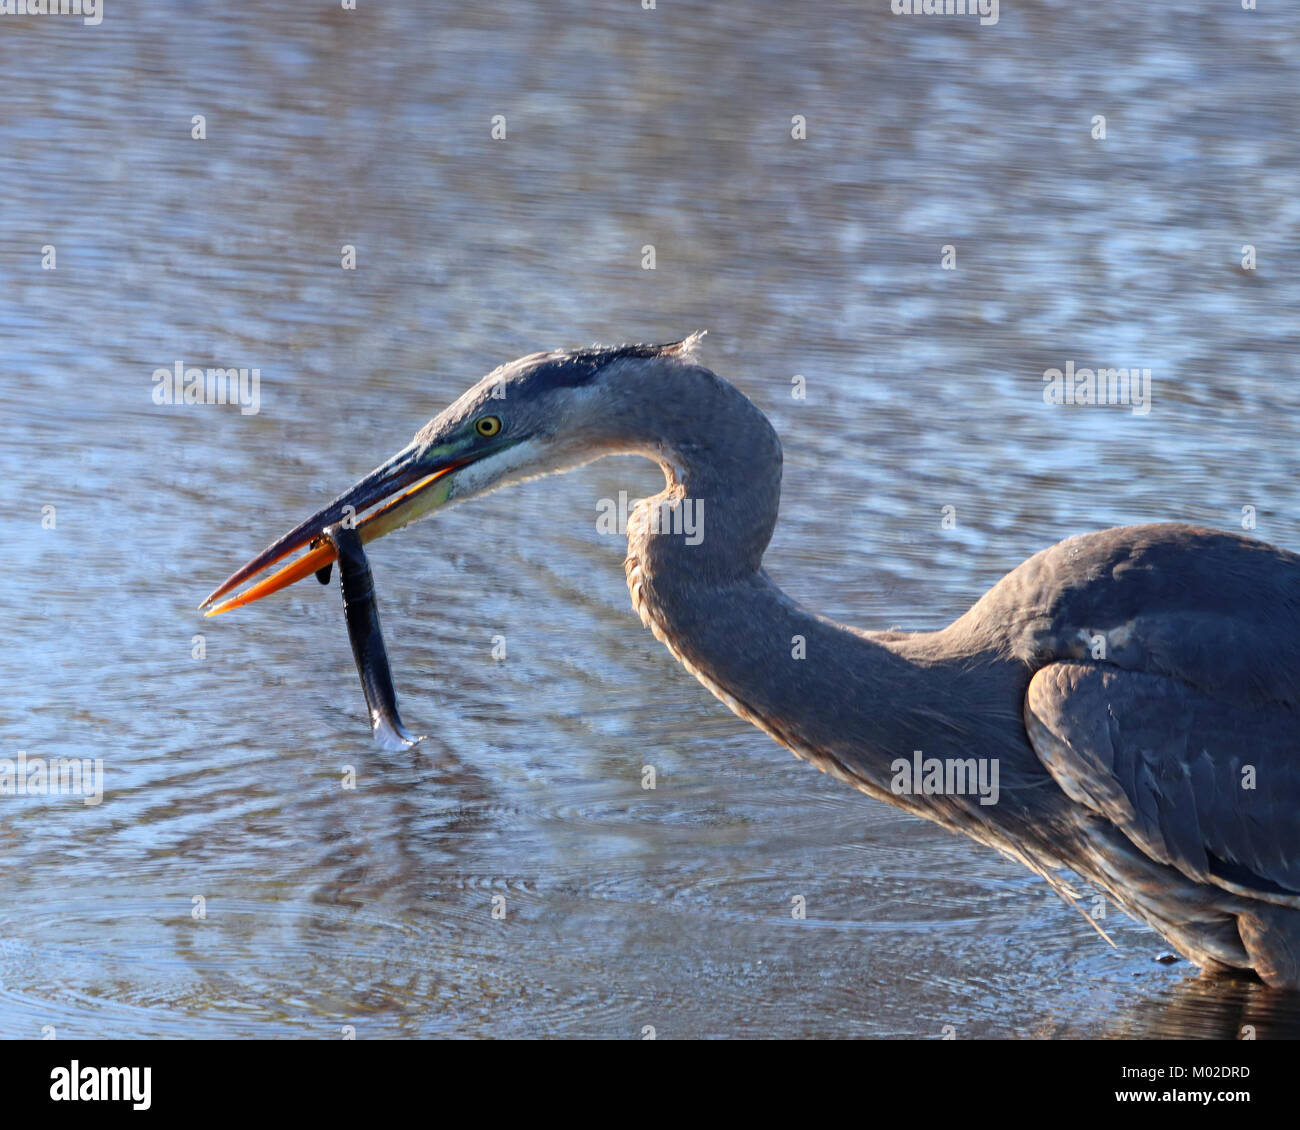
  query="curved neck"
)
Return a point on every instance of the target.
[
  {"x": 722, "y": 460},
  {"x": 851, "y": 702}
]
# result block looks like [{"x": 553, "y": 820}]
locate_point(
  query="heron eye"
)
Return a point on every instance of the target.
[{"x": 488, "y": 426}]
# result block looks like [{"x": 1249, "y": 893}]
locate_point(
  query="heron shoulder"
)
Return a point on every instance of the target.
[{"x": 1218, "y": 610}]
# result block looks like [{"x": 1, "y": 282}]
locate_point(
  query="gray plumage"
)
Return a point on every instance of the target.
[
  {"x": 1138, "y": 687},
  {"x": 1129, "y": 770}
]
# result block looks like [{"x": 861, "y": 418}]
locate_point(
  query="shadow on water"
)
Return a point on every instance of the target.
[{"x": 1212, "y": 1008}]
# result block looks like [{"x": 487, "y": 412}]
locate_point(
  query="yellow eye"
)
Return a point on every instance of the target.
[{"x": 488, "y": 426}]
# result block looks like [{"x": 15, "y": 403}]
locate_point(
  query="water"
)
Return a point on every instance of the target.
[{"x": 624, "y": 908}]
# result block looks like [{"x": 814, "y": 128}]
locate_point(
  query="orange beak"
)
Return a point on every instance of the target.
[{"x": 407, "y": 486}]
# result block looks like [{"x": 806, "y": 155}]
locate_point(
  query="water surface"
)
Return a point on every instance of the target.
[{"x": 320, "y": 907}]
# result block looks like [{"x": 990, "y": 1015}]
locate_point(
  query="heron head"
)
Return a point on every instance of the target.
[{"x": 543, "y": 413}]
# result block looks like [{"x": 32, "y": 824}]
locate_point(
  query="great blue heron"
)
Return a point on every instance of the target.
[{"x": 1138, "y": 687}]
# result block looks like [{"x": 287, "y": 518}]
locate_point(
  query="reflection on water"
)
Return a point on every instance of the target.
[
  {"x": 512, "y": 877},
  {"x": 1218, "y": 1008}
]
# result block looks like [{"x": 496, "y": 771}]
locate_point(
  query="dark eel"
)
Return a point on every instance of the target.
[{"x": 362, "y": 615}]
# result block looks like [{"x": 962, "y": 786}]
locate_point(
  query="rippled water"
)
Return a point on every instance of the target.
[{"x": 374, "y": 907}]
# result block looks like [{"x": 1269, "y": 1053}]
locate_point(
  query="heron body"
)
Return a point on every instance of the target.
[{"x": 1138, "y": 688}]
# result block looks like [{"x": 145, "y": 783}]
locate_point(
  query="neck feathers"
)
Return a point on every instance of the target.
[{"x": 722, "y": 461}]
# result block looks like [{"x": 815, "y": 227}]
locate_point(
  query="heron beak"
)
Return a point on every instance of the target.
[{"x": 413, "y": 482}]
